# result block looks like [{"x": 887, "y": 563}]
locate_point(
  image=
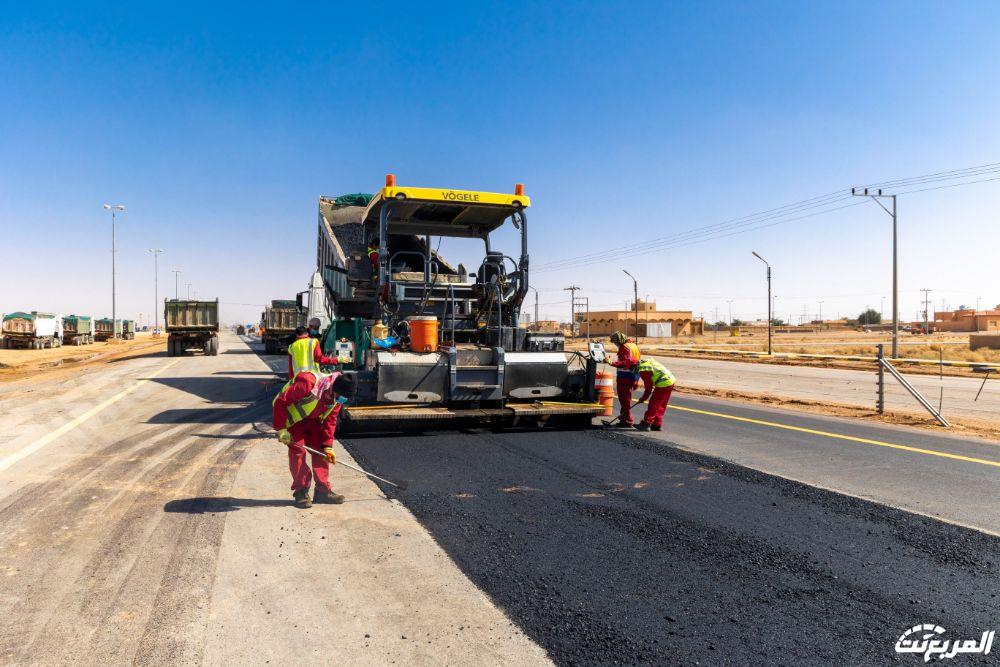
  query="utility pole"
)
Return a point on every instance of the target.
[
  {"x": 156, "y": 287},
  {"x": 176, "y": 273},
  {"x": 770, "y": 320},
  {"x": 635, "y": 302},
  {"x": 114, "y": 208},
  {"x": 821, "y": 314},
  {"x": 536, "y": 306},
  {"x": 572, "y": 289},
  {"x": 876, "y": 196},
  {"x": 188, "y": 290},
  {"x": 730, "y": 302},
  {"x": 927, "y": 302}
]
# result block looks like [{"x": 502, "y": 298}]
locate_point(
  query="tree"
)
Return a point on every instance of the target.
[
  {"x": 870, "y": 316},
  {"x": 778, "y": 322},
  {"x": 737, "y": 322}
]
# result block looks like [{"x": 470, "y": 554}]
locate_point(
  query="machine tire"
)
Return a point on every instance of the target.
[{"x": 215, "y": 347}]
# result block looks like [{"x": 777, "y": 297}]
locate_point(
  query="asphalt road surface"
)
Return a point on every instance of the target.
[
  {"x": 957, "y": 395},
  {"x": 145, "y": 518},
  {"x": 613, "y": 549}
]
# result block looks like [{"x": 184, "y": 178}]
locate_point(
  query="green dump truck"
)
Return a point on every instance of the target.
[
  {"x": 78, "y": 330},
  {"x": 104, "y": 329},
  {"x": 128, "y": 329},
  {"x": 32, "y": 330},
  {"x": 191, "y": 324},
  {"x": 278, "y": 323}
]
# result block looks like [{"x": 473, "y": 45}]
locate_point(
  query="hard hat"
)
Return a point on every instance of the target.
[{"x": 618, "y": 338}]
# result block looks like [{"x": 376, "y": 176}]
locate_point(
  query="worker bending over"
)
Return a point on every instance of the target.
[
  {"x": 658, "y": 384},
  {"x": 627, "y": 377},
  {"x": 305, "y": 354},
  {"x": 305, "y": 414}
]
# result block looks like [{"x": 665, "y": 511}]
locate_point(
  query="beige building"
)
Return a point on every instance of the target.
[
  {"x": 604, "y": 322},
  {"x": 966, "y": 319}
]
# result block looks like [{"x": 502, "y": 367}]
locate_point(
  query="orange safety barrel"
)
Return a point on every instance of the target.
[
  {"x": 423, "y": 333},
  {"x": 604, "y": 383}
]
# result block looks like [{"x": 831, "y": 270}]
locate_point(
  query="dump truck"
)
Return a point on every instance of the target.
[
  {"x": 105, "y": 329},
  {"x": 128, "y": 329},
  {"x": 78, "y": 330},
  {"x": 32, "y": 330},
  {"x": 191, "y": 324},
  {"x": 432, "y": 344},
  {"x": 278, "y": 322}
]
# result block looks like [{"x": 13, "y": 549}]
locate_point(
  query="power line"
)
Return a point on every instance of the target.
[{"x": 771, "y": 217}]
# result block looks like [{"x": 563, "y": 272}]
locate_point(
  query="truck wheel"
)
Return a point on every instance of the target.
[{"x": 213, "y": 347}]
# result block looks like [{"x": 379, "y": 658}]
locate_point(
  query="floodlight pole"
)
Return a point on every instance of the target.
[
  {"x": 156, "y": 288},
  {"x": 114, "y": 208},
  {"x": 770, "y": 319}
]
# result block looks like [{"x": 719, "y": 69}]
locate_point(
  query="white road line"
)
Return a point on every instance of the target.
[{"x": 73, "y": 423}]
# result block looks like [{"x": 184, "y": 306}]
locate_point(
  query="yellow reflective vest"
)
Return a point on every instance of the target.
[
  {"x": 303, "y": 356},
  {"x": 302, "y": 408},
  {"x": 661, "y": 376}
]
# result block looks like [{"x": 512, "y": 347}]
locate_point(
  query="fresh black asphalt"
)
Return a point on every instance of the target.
[{"x": 615, "y": 549}]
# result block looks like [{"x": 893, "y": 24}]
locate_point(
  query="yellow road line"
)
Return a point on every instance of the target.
[
  {"x": 840, "y": 436},
  {"x": 73, "y": 423}
]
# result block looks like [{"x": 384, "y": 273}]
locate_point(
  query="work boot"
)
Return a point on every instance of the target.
[
  {"x": 642, "y": 426},
  {"x": 622, "y": 424},
  {"x": 327, "y": 497},
  {"x": 301, "y": 497},
  {"x": 655, "y": 428}
]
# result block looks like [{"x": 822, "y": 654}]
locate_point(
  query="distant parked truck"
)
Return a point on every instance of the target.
[
  {"x": 78, "y": 330},
  {"x": 128, "y": 329},
  {"x": 279, "y": 322},
  {"x": 32, "y": 330},
  {"x": 191, "y": 324},
  {"x": 103, "y": 329}
]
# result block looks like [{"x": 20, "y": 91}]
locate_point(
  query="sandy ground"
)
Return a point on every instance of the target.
[{"x": 26, "y": 364}]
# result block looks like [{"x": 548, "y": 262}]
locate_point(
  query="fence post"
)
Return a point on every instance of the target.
[{"x": 880, "y": 395}]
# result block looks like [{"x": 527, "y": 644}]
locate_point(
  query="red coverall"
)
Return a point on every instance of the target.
[
  {"x": 317, "y": 355},
  {"x": 310, "y": 432},
  {"x": 657, "y": 402},
  {"x": 627, "y": 378}
]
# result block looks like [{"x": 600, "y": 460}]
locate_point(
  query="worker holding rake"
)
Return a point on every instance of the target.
[{"x": 305, "y": 415}]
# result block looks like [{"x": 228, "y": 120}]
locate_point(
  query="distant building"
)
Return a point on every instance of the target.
[
  {"x": 653, "y": 323},
  {"x": 965, "y": 320}
]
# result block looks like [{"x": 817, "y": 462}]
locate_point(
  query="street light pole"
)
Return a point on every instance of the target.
[
  {"x": 895, "y": 260},
  {"x": 770, "y": 323},
  {"x": 177, "y": 272},
  {"x": 188, "y": 290},
  {"x": 114, "y": 208},
  {"x": 635, "y": 302},
  {"x": 156, "y": 288},
  {"x": 730, "y": 302}
]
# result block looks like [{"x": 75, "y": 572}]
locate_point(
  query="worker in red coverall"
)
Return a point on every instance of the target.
[
  {"x": 627, "y": 377},
  {"x": 658, "y": 384},
  {"x": 305, "y": 414}
]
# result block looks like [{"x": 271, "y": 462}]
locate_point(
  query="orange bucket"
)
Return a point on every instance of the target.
[
  {"x": 604, "y": 383},
  {"x": 423, "y": 333}
]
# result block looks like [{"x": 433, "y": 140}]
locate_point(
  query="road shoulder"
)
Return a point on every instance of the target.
[{"x": 362, "y": 581}]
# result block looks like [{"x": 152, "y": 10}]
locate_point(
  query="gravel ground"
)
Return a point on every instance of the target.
[{"x": 611, "y": 549}]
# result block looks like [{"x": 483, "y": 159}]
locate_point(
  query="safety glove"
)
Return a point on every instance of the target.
[
  {"x": 330, "y": 456},
  {"x": 284, "y": 437}
]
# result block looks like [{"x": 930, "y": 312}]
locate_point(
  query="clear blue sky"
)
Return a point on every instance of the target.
[{"x": 218, "y": 125}]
